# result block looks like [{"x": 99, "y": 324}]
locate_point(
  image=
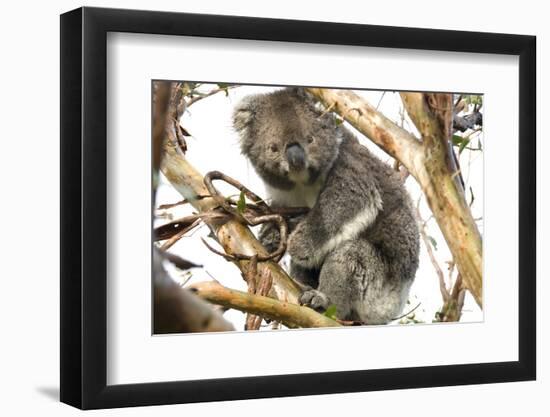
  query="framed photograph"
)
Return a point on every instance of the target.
[{"x": 258, "y": 208}]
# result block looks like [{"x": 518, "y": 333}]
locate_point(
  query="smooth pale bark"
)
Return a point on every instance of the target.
[
  {"x": 292, "y": 315},
  {"x": 393, "y": 139},
  {"x": 446, "y": 200},
  {"x": 428, "y": 162}
]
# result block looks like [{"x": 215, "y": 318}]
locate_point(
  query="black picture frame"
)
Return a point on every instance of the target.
[{"x": 84, "y": 207}]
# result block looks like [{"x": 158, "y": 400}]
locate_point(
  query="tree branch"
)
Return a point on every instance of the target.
[
  {"x": 393, "y": 139},
  {"x": 292, "y": 315},
  {"x": 177, "y": 310},
  {"x": 432, "y": 115}
]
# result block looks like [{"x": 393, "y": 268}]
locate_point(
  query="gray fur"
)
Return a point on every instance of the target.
[{"x": 358, "y": 246}]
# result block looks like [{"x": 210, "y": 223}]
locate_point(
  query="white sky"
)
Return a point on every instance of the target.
[{"x": 214, "y": 146}]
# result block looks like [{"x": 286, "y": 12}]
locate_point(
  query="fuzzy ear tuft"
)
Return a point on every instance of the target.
[{"x": 244, "y": 114}]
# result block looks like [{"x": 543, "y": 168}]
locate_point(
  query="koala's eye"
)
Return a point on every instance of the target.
[
  {"x": 310, "y": 139},
  {"x": 274, "y": 147}
]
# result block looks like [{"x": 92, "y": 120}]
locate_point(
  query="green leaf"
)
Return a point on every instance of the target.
[
  {"x": 433, "y": 242},
  {"x": 224, "y": 87},
  {"x": 457, "y": 140},
  {"x": 474, "y": 99},
  {"x": 241, "y": 204},
  {"x": 331, "y": 312},
  {"x": 463, "y": 145}
]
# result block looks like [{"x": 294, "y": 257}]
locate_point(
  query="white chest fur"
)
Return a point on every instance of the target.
[{"x": 302, "y": 195}]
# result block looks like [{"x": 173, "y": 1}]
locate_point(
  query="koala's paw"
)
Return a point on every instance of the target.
[{"x": 315, "y": 299}]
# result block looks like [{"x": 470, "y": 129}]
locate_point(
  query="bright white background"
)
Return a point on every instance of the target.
[
  {"x": 29, "y": 215},
  {"x": 425, "y": 293}
]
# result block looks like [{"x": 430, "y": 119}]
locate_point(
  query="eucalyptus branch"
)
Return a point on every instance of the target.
[{"x": 292, "y": 315}]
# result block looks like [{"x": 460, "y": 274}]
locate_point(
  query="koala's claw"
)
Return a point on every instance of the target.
[{"x": 315, "y": 299}]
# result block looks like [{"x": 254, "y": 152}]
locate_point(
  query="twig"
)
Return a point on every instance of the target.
[
  {"x": 226, "y": 256},
  {"x": 168, "y": 230},
  {"x": 406, "y": 314},
  {"x": 216, "y": 175},
  {"x": 170, "y": 242},
  {"x": 380, "y": 101},
  {"x": 210, "y": 93},
  {"x": 247, "y": 219},
  {"x": 179, "y": 203},
  {"x": 433, "y": 260}
]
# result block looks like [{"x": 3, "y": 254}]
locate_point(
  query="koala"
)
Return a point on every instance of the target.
[{"x": 358, "y": 245}]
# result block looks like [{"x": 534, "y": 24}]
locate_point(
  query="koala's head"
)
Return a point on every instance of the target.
[{"x": 287, "y": 137}]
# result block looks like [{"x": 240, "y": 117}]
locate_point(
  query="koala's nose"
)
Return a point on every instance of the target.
[{"x": 296, "y": 156}]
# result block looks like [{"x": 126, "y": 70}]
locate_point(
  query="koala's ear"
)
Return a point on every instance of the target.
[{"x": 244, "y": 114}]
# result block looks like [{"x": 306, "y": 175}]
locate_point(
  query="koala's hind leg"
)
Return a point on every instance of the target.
[{"x": 356, "y": 279}]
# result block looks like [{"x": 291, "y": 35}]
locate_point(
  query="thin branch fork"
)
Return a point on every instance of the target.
[
  {"x": 442, "y": 285},
  {"x": 452, "y": 307},
  {"x": 168, "y": 230},
  {"x": 210, "y": 93},
  {"x": 251, "y": 220}
]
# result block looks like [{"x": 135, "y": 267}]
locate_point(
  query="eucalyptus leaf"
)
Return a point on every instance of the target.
[
  {"x": 241, "y": 203},
  {"x": 433, "y": 242},
  {"x": 463, "y": 145},
  {"x": 331, "y": 312}
]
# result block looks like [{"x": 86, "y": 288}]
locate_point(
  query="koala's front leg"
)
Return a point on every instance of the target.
[
  {"x": 269, "y": 234},
  {"x": 302, "y": 245}
]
